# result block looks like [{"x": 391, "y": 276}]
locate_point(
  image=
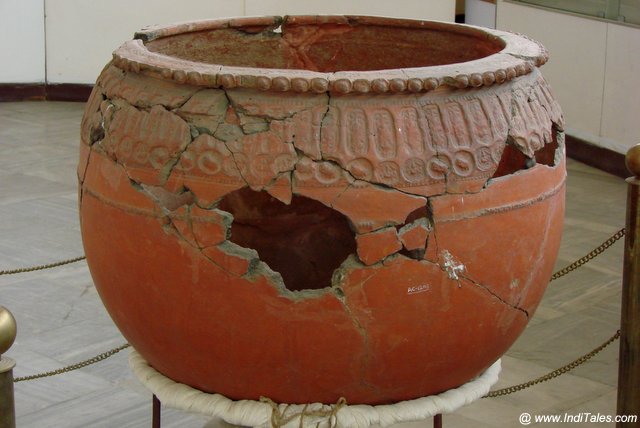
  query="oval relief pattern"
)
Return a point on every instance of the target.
[
  {"x": 416, "y": 144},
  {"x": 425, "y": 144}
]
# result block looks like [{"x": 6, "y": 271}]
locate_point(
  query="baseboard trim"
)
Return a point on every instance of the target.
[
  {"x": 22, "y": 92},
  {"x": 68, "y": 92},
  {"x": 42, "y": 91},
  {"x": 598, "y": 157}
]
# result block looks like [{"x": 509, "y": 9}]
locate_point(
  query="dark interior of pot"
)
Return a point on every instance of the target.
[
  {"x": 513, "y": 160},
  {"x": 304, "y": 241},
  {"x": 331, "y": 47}
]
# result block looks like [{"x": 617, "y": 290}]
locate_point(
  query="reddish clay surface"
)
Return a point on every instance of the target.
[
  {"x": 353, "y": 207},
  {"x": 375, "y": 246}
]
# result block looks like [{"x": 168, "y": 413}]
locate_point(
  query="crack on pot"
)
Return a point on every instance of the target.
[
  {"x": 169, "y": 166},
  {"x": 248, "y": 123},
  {"x": 82, "y": 179},
  {"x": 541, "y": 254},
  {"x": 227, "y": 256},
  {"x": 130, "y": 86},
  {"x": 359, "y": 327},
  {"x": 411, "y": 235},
  {"x": 432, "y": 256},
  {"x": 166, "y": 200},
  {"x": 238, "y": 261},
  {"x": 525, "y": 58},
  {"x": 338, "y": 196},
  {"x": 92, "y": 118},
  {"x": 235, "y": 162},
  {"x": 179, "y": 105},
  {"x": 136, "y": 131},
  {"x": 204, "y": 111},
  {"x": 106, "y": 110},
  {"x": 347, "y": 182},
  {"x": 97, "y": 134},
  {"x": 389, "y": 187},
  {"x": 353, "y": 183},
  {"x": 193, "y": 130},
  {"x": 273, "y": 189},
  {"x": 323, "y": 123},
  {"x": 494, "y": 294},
  {"x": 172, "y": 227},
  {"x": 377, "y": 245},
  {"x": 228, "y": 128},
  {"x": 448, "y": 88},
  {"x": 242, "y": 103}
]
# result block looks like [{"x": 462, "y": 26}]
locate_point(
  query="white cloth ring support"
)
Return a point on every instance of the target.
[{"x": 258, "y": 414}]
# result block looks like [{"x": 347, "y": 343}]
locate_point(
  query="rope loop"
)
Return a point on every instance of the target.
[{"x": 279, "y": 418}]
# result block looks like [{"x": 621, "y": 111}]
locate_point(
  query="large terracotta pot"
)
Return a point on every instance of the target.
[{"x": 315, "y": 207}]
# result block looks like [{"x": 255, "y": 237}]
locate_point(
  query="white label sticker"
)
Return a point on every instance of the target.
[{"x": 418, "y": 289}]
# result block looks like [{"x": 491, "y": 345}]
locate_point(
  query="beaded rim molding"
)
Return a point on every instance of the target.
[
  {"x": 259, "y": 413},
  {"x": 519, "y": 56}
]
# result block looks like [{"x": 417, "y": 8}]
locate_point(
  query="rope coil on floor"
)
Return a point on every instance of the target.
[{"x": 267, "y": 414}]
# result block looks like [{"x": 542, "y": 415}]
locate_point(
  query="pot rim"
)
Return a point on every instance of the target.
[{"x": 519, "y": 56}]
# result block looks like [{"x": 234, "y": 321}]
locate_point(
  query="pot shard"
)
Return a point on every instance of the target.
[{"x": 307, "y": 208}]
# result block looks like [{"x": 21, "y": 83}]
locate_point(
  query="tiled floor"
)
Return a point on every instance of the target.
[{"x": 61, "y": 320}]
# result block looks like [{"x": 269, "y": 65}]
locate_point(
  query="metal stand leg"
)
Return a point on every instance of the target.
[
  {"x": 437, "y": 421},
  {"x": 155, "y": 422}
]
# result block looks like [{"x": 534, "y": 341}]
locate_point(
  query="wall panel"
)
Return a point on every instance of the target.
[{"x": 22, "y": 41}]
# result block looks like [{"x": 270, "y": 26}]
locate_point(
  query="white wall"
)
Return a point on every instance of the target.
[
  {"x": 592, "y": 70},
  {"x": 22, "y": 41},
  {"x": 577, "y": 56},
  {"x": 81, "y": 34},
  {"x": 439, "y": 10},
  {"x": 621, "y": 100},
  {"x": 480, "y": 12}
]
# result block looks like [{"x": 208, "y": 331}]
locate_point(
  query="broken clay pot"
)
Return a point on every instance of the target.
[{"x": 312, "y": 207}]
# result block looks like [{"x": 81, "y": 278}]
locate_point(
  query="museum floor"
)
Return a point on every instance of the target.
[{"x": 62, "y": 321}]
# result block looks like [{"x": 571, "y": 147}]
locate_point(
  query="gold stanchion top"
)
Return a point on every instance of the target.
[
  {"x": 8, "y": 329},
  {"x": 632, "y": 159}
]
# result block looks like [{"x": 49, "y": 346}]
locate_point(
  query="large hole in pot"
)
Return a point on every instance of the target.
[
  {"x": 332, "y": 46},
  {"x": 513, "y": 160},
  {"x": 304, "y": 241}
]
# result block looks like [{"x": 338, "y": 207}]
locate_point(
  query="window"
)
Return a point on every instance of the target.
[{"x": 616, "y": 10}]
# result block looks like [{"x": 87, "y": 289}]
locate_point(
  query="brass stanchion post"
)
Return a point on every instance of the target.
[
  {"x": 7, "y": 336},
  {"x": 629, "y": 366}
]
